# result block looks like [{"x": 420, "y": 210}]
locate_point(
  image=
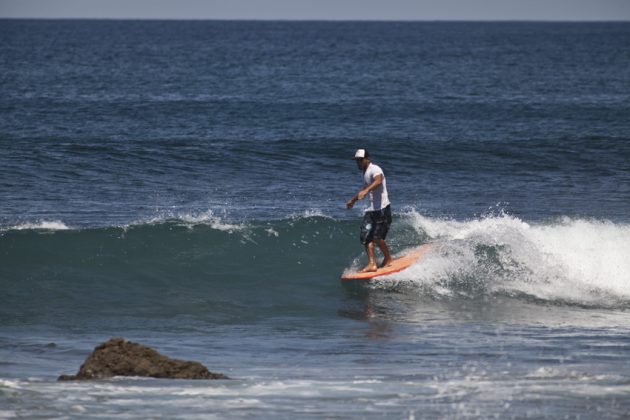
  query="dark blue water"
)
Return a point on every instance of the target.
[
  {"x": 182, "y": 184},
  {"x": 107, "y": 122}
]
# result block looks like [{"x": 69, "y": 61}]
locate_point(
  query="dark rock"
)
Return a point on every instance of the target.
[{"x": 118, "y": 357}]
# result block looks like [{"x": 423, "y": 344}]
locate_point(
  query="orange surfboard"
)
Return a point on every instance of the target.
[{"x": 397, "y": 265}]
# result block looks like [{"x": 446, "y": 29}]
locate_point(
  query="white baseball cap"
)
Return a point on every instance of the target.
[{"x": 361, "y": 154}]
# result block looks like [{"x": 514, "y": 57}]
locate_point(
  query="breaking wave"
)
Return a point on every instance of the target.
[
  {"x": 573, "y": 261},
  {"x": 201, "y": 263}
]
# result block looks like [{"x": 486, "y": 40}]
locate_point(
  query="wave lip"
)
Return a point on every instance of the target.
[
  {"x": 183, "y": 218},
  {"x": 207, "y": 217},
  {"x": 40, "y": 225}
]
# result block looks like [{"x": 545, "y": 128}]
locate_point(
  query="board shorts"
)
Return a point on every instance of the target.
[{"x": 375, "y": 225}]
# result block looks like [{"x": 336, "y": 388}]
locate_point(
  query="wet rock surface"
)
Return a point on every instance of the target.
[{"x": 118, "y": 357}]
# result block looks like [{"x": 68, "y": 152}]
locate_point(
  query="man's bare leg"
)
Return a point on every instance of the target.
[
  {"x": 387, "y": 258},
  {"x": 371, "y": 266}
]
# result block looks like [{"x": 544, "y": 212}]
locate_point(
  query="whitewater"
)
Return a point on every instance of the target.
[{"x": 566, "y": 260}]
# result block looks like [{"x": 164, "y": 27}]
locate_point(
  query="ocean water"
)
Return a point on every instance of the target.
[{"x": 182, "y": 185}]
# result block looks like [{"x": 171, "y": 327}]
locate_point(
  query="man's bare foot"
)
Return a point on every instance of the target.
[
  {"x": 369, "y": 268},
  {"x": 387, "y": 262}
]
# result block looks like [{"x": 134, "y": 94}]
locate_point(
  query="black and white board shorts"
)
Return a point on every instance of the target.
[{"x": 375, "y": 224}]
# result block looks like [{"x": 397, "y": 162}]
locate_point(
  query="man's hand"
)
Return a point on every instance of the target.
[{"x": 378, "y": 180}]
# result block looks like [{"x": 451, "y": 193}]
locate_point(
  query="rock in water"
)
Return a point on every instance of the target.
[{"x": 118, "y": 357}]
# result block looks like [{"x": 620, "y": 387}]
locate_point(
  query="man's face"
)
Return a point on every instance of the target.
[{"x": 362, "y": 164}]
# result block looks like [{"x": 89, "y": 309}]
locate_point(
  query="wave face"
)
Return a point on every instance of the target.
[
  {"x": 231, "y": 272},
  {"x": 174, "y": 267}
]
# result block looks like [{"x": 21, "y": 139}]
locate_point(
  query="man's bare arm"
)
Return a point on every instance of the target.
[{"x": 378, "y": 180}]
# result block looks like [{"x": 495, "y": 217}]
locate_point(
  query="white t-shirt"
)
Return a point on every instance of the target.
[{"x": 378, "y": 197}]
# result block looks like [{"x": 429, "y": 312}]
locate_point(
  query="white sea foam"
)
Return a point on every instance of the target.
[
  {"x": 11, "y": 384},
  {"x": 573, "y": 260},
  {"x": 310, "y": 213},
  {"x": 41, "y": 225},
  {"x": 206, "y": 217}
]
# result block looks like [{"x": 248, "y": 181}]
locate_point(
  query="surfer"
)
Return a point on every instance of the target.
[{"x": 378, "y": 215}]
